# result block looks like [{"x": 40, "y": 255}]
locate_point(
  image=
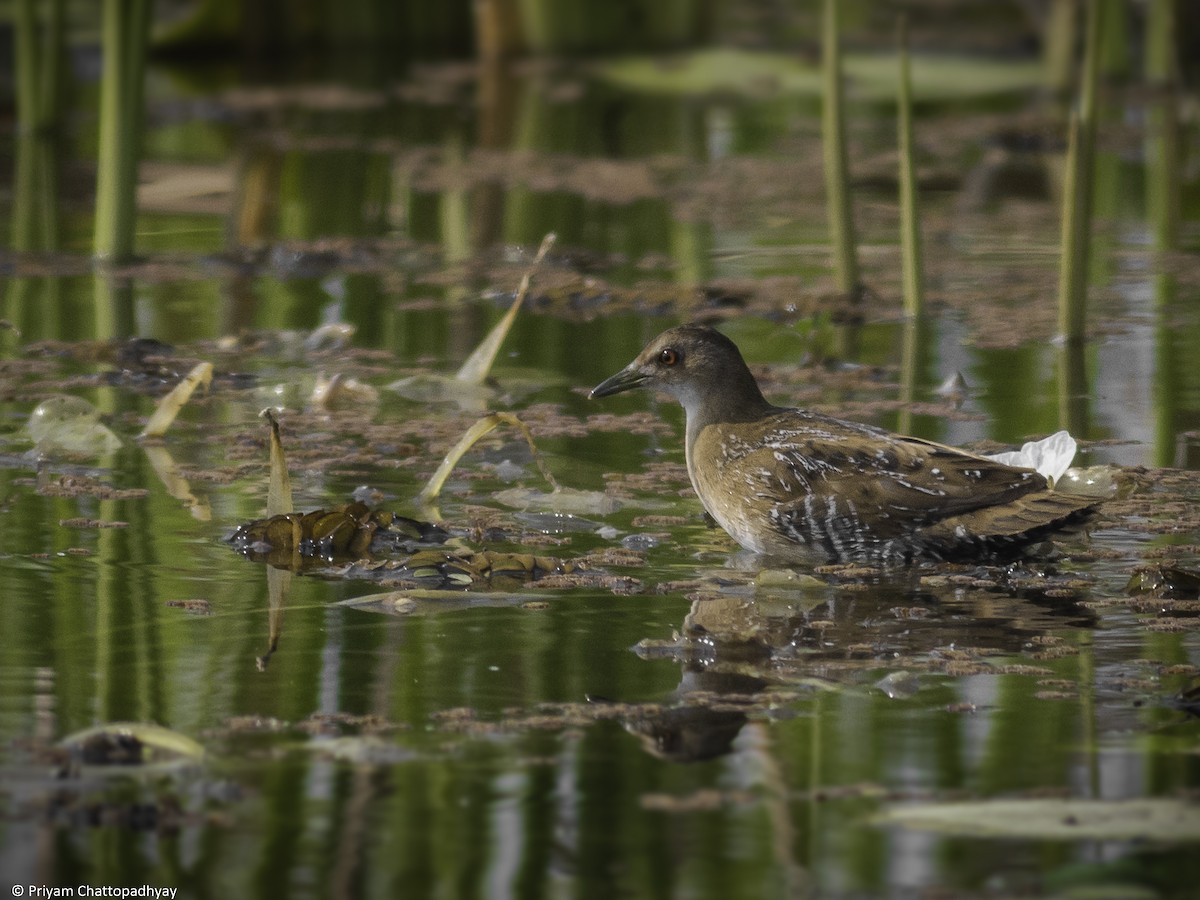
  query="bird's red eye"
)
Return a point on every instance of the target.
[{"x": 669, "y": 357}]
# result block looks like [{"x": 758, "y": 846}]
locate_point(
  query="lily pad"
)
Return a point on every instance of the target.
[
  {"x": 1149, "y": 819},
  {"x": 132, "y": 744},
  {"x": 423, "y": 601},
  {"x": 870, "y": 77},
  {"x": 432, "y": 387},
  {"x": 1092, "y": 481},
  {"x": 565, "y": 501}
]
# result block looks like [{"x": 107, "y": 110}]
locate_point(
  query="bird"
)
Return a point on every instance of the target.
[{"x": 804, "y": 486}]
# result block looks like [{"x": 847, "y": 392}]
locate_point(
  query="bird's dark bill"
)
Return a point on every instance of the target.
[{"x": 625, "y": 380}]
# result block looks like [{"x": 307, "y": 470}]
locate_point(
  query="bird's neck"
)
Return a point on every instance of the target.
[{"x": 732, "y": 399}]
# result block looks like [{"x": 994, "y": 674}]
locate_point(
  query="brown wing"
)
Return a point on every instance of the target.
[
  {"x": 848, "y": 487},
  {"x": 853, "y": 489},
  {"x": 897, "y": 486}
]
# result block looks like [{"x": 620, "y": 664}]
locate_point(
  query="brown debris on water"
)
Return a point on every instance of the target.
[
  {"x": 84, "y": 486},
  {"x": 196, "y": 606},
  {"x": 329, "y": 535}
]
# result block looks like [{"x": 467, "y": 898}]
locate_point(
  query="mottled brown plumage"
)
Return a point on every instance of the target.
[{"x": 798, "y": 484}]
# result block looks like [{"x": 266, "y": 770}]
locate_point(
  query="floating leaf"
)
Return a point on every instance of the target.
[
  {"x": 718, "y": 71},
  {"x": 132, "y": 744},
  {"x": 170, "y": 405},
  {"x": 1092, "y": 481},
  {"x": 869, "y": 77},
  {"x": 330, "y": 336},
  {"x": 567, "y": 501},
  {"x": 423, "y": 601},
  {"x": 1151, "y": 819},
  {"x": 432, "y": 387},
  {"x": 1165, "y": 581},
  {"x": 343, "y": 392},
  {"x": 70, "y": 425}
]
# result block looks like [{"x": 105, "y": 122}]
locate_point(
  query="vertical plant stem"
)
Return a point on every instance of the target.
[
  {"x": 1114, "y": 43},
  {"x": 1091, "y": 67},
  {"x": 1058, "y": 43},
  {"x": 126, "y": 31},
  {"x": 38, "y": 41},
  {"x": 908, "y": 374},
  {"x": 1071, "y": 309},
  {"x": 1162, "y": 65},
  {"x": 1077, "y": 192},
  {"x": 910, "y": 217},
  {"x": 25, "y": 49},
  {"x": 1073, "y": 406},
  {"x": 497, "y": 30},
  {"x": 1162, "y": 156},
  {"x": 833, "y": 139},
  {"x": 53, "y": 44}
]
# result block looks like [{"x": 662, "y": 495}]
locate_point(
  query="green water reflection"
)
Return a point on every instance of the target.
[{"x": 570, "y": 746}]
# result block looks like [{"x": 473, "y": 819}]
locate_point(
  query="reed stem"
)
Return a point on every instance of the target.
[
  {"x": 910, "y": 224},
  {"x": 126, "y": 30},
  {"x": 833, "y": 129},
  {"x": 1077, "y": 189}
]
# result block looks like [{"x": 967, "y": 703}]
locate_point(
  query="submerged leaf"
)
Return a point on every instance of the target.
[
  {"x": 343, "y": 392},
  {"x": 435, "y": 387},
  {"x": 432, "y": 387},
  {"x": 1151, "y": 819},
  {"x": 170, "y": 405},
  {"x": 420, "y": 601},
  {"x": 1092, "y": 481},
  {"x": 70, "y": 425},
  {"x": 560, "y": 500},
  {"x": 869, "y": 76}
]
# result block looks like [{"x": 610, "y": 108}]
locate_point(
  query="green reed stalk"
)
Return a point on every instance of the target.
[
  {"x": 1162, "y": 158},
  {"x": 126, "y": 29},
  {"x": 1162, "y": 65},
  {"x": 1072, "y": 271},
  {"x": 1077, "y": 189},
  {"x": 833, "y": 140},
  {"x": 26, "y": 51},
  {"x": 498, "y": 33},
  {"x": 910, "y": 216},
  {"x": 1058, "y": 42},
  {"x": 1114, "y": 39}
]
